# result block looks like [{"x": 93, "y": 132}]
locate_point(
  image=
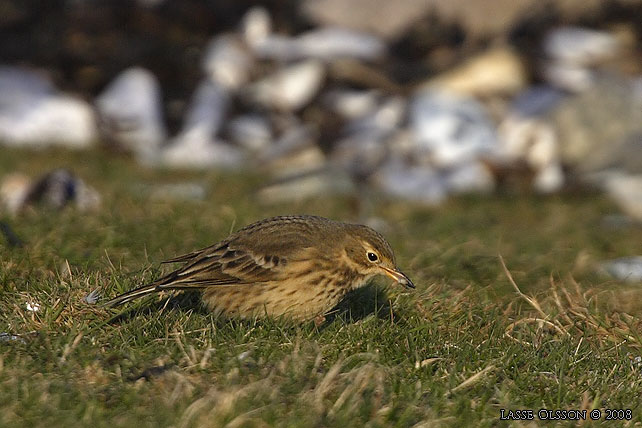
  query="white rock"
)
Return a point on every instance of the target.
[
  {"x": 256, "y": 25},
  {"x": 382, "y": 121},
  {"x": 200, "y": 154},
  {"x": 581, "y": 46},
  {"x": 627, "y": 269},
  {"x": 498, "y": 71},
  {"x": 526, "y": 134},
  {"x": 451, "y": 128},
  {"x": 318, "y": 183},
  {"x": 330, "y": 43},
  {"x": 227, "y": 62},
  {"x": 417, "y": 184},
  {"x": 570, "y": 77},
  {"x": 290, "y": 88},
  {"x": 327, "y": 43},
  {"x": 205, "y": 113},
  {"x": 131, "y": 113},
  {"x": 276, "y": 47},
  {"x": 351, "y": 104},
  {"x": 59, "y": 120},
  {"x": 359, "y": 155},
  {"x": 32, "y": 306},
  {"x": 251, "y": 131},
  {"x": 535, "y": 102},
  {"x": 624, "y": 189},
  {"x": 196, "y": 146},
  {"x": 34, "y": 114},
  {"x": 470, "y": 177},
  {"x": 294, "y": 152},
  {"x": 549, "y": 179}
]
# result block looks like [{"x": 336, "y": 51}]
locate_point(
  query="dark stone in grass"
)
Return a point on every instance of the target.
[
  {"x": 151, "y": 372},
  {"x": 10, "y": 236}
]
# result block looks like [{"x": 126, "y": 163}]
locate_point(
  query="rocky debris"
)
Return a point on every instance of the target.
[{"x": 378, "y": 97}]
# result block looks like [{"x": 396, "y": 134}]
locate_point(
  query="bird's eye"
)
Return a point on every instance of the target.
[{"x": 372, "y": 256}]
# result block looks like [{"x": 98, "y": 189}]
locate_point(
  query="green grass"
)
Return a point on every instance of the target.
[{"x": 454, "y": 352}]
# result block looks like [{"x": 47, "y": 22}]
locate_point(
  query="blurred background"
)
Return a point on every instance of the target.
[{"x": 414, "y": 100}]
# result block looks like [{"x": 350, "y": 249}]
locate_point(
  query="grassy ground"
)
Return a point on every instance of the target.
[{"x": 462, "y": 347}]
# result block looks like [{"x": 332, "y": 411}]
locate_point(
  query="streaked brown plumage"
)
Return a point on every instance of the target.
[{"x": 296, "y": 266}]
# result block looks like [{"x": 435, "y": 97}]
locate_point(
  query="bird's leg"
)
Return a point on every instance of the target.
[{"x": 318, "y": 320}]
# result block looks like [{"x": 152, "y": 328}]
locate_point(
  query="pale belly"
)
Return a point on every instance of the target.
[{"x": 273, "y": 300}]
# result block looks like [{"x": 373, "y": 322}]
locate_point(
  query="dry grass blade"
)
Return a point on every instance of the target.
[
  {"x": 70, "y": 347},
  {"x": 511, "y": 327},
  {"x": 477, "y": 377},
  {"x": 531, "y": 301}
]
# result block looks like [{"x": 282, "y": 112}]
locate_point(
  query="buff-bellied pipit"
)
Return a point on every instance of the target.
[{"x": 296, "y": 266}]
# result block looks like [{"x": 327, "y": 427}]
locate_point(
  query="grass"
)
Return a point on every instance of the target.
[{"x": 546, "y": 331}]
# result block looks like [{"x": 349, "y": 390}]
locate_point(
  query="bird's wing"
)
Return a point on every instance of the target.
[{"x": 236, "y": 262}]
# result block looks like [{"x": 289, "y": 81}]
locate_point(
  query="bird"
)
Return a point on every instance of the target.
[{"x": 297, "y": 266}]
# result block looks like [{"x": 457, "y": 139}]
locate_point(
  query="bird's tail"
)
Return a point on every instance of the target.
[{"x": 133, "y": 294}]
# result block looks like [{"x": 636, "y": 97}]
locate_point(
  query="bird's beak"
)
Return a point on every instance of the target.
[{"x": 399, "y": 277}]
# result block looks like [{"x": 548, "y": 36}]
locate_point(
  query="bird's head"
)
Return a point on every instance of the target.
[{"x": 374, "y": 256}]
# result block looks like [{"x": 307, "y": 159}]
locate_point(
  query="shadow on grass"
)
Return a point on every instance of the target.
[
  {"x": 186, "y": 301},
  {"x": 361, "y": 303},
  {"x": 357, "y": 305}
]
